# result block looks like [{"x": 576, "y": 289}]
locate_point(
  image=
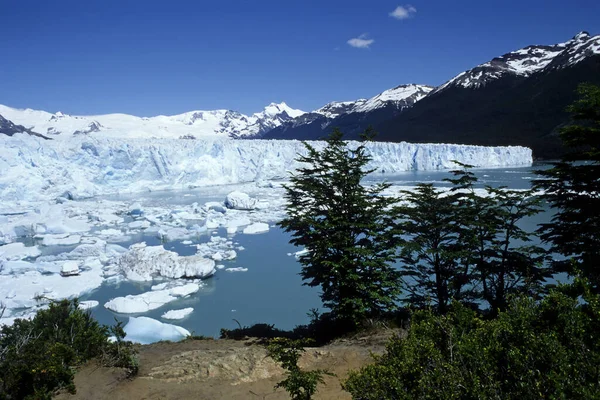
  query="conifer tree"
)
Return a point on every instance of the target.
[
  {"x": 427, "y": 236},
  {"x": 345, "y": 228},
  {"x": 572, "y": 189}
]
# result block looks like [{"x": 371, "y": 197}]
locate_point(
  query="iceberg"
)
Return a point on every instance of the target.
[
  {"x": 148, "y": 301},
  {"x": 88, "y": 304},
  {"x": 86, "y": 166},
  {"x": 18, "y": 251},
  {"x": 142, "y": 262},
  {"x": 257, "y": 227},
  {"x": 178, "y": 314},
  {"x": 146, "y": 330},
  {"x": 240, "y": 201}
]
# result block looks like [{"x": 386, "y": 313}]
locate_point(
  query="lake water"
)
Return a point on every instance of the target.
[{"x": 271, "y": 291}]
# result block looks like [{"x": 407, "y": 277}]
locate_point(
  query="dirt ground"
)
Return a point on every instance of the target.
[{"x": 221, "y": 369}]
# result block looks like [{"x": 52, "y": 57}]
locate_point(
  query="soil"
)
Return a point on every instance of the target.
[{"x": 222, "y": 369}]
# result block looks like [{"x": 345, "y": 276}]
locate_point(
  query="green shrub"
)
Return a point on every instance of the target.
[
  {"x": 38, "y": 356},
  {"x": 533, "y": 350},
  {"x": 301, "y": 385}
]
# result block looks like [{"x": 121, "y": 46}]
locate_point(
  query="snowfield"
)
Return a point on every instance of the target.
[{"x": 34, "y": 169}]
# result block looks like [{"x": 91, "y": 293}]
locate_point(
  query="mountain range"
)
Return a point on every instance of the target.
[{"x": 519, "y": 98}]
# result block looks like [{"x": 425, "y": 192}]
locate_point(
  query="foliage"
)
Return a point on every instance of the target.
[
  {"x": 572, "y": 189},
  {"x": 301, "y": 385},
  {"x": 467, "y": 246},
  {"x": 428, "y": 238},
  {"x": 37, "y": 356},
  {"x": 533, "y": 350},
  {"x": 120, "y": 353},
  {"x": 344, "y": 227},
  {"x": 493, "y": 248},
  {"x": 262, "y": 331}
]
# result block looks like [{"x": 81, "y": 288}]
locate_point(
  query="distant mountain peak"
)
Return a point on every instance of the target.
[
  {"x": 274, "y": 109},
  {"x": 527, "y": 61},
  {"x": 583, "y": 35}
]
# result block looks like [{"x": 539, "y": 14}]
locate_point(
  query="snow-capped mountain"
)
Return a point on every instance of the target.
[
  {"x": 350, "y": 114},
  {"x": 219, "y": 123},
  {"x": 519, "y": 98},
  {"x": 527, "y": 61},
  {"x": 400, "y": 97},
  {"x": 337, "y": 108}
]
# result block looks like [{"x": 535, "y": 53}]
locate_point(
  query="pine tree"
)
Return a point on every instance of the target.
[
  {"x": 427, "y": 236},
  {"x": 345, "y": 228},
  {"x": 496, "y": 253},
  {"x": 572, "y": 188}
]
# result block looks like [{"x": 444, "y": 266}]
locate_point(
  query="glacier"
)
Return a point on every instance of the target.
[{"x": 35, "y": 169}]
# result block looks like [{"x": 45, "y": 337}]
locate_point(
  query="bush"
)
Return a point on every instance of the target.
[
  {"x": 38, "y": 356},
  {"x": 533, "y": 350},
  {"x": 301, "y": 385}
]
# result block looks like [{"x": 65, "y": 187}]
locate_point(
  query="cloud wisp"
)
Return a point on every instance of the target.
[
  {"x": 403, "y": 12},
  {"x": 361, "y": 42}
]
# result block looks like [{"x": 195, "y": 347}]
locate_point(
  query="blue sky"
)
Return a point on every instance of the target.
[{"x": 166, "y": 57}]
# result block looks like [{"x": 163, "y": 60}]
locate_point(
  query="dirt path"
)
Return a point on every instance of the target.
[{"x": 220, "y": 369}]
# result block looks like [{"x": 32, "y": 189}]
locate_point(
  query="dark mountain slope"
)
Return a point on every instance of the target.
[{"x": 511, "y": 110}]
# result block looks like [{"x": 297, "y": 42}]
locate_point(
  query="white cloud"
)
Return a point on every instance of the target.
[
  {"x": 361, "y": 42},
  {"x": 403, "y": 12}
]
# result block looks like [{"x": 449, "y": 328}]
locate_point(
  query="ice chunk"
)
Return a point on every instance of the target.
[
  {"x": 146, "y": 330},
  {"x": 135, "y": 209},
  {"x": 257, "y": 227},
  {"x": 174, "y": 233},
  {"x": 64, "y": 239},
  {"x": 70, "y": 268},
  {"x": 142, "y": 262},
  {"x": 88, "y": 304},
  {"x": 18, "y": 251},
  {"x": 215, "y": 206},
  {"x": 240, "y": 201},
  {"x": 141, "y": 303},
  {"x": 139, "y": 224},
  {"x": 237, "y": 269},
  {"x": 178, "y": 314},
  {"x": 224, "y": 255},
  {"x": 31, "y": 284}
]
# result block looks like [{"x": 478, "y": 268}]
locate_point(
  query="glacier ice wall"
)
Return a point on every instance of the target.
[{"x": 33, "y": 168}]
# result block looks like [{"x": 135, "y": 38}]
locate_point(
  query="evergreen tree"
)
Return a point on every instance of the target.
[
  {"x": 427, "y": 234},
  {"x": 513, "y": 264},
  {"x": 572, "y": 189},
  {"x": 345, "y": 228},
  {"x": 495, "y": 251},
  {"x": 467, "y": 246}
]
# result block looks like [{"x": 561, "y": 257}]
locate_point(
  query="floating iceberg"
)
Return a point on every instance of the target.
[
  {"x": 240, "y": 201},
  {"x": 237, "y": 269},
  {"x": 18, "y": 251},
  {"x": 70, "y": 268},
  {"x": 142, "y": 263},
  {"x": 88, "y": 304},
  {"x": 146, "y": 330},
  {"x": 257, "y": 227},
  {"x": 141, "y": 303},
  {"x": 178, "y": 314}
]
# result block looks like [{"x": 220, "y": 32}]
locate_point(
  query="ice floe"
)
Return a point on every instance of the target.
[
  {"x": 146, "y": 330},
  {"x": 142, "y": 263},
  {"x": 18, "y": 251},
  {"x": 257, "y": 227},
  {"x": 178, "y": 314},
  {"x": 141, "y": 303},
  {"x": 240, "y": 201}
]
